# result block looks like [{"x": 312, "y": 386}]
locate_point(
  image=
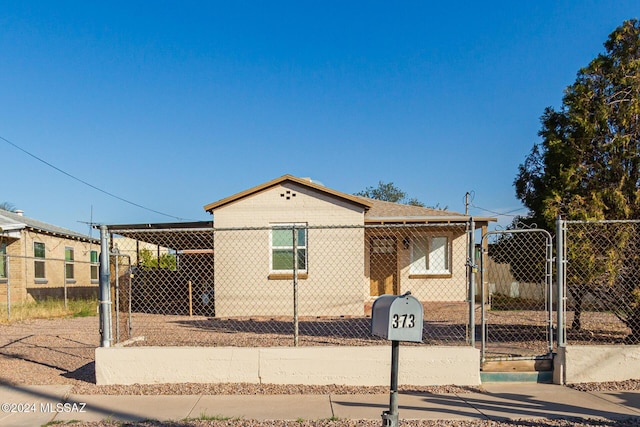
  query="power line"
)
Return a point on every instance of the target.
[
  {"x": 471, "y": 195},
  {"x": 508, "y": 213},
  {"x": 89, "y": 184}
]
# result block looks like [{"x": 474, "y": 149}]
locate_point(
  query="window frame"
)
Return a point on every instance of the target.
[
  {"x": 69, "y": 262},
  {"x": 288, "y": 273},
  {"x": 94, "y": 266},
  {"x": 418, "y": 271},
  {"x": 39, "y": 261},
  {"x": 4, "y": 274}
]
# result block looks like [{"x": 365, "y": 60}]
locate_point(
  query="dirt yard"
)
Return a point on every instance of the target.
[{"x": 61, "y": 351}]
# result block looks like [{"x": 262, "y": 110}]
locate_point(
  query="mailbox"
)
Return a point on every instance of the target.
[{"x": 397, "y": 318}]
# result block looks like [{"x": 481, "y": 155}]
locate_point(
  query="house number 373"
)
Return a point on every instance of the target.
[{"x": 403, "y": 321}]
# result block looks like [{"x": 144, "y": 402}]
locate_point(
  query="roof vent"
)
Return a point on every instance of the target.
[{"x": 20, "y": 212}]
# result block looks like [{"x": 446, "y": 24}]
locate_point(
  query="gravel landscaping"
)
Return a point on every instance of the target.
[
  {"x": 370, "y": 423},
  {"x": 61, "y": 351}
]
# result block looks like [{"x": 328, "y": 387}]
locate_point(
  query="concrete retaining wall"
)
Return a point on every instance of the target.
[
  {"x": 363, "y": 366},
  {"x": 581, "y": 364}
]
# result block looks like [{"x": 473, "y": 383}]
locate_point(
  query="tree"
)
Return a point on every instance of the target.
[
  {"x": 149, "y": 261},
  {"x": 388, "y": 192},
  {"x": 7, "y": 206},
  {"x": 587, "y": 165}
]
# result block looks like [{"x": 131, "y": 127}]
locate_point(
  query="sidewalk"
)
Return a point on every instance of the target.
[{"x": 38, "y": 405}]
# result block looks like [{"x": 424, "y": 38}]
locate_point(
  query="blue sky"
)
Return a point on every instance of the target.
[{"x": 173, "y": 105}]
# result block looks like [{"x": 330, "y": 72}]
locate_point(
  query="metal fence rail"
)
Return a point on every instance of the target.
[
  {"x": 602, "y": 281},
  {"x": 285, "y": 285}
]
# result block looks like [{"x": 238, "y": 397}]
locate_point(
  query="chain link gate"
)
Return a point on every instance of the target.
[{"x": 516, "y": 295}]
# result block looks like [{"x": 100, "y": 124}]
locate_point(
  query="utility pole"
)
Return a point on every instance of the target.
[{"x": 466, "y": 203}]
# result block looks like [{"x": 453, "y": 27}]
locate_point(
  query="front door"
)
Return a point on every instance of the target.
[{"x": 383, "y": 266}]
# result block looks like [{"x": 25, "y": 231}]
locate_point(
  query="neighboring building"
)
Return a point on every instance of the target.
[
  {"x": 342, "y": 259},
  {"x": 40, "y": 260}
]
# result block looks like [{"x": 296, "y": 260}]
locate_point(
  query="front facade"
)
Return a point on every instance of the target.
[
  {"x": 339, "y": 251},
  {"x": 39, "y": 261},
  {"x": 254, "y": 266}
]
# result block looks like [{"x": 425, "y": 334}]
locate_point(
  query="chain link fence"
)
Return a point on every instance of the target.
[
  {"x": 602, "y": 303},
  {"x": 46, "y": 286},
  {"x": 287, "y": 285},
  {"x": 517, "y": 293}
]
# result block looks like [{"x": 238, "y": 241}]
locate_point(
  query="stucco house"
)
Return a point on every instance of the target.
[
  {"x": 40, "y": 260},
  {"x": 338, "y": 249}
]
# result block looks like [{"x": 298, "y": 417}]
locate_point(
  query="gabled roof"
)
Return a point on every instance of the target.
[
  {"x": 283, "y": 179},
  {"x": 382, "y": 212},
  {"x": 381, "y": 208},
  {"x": 376, "y": 211},
  {"x": 14, "y": 221}
]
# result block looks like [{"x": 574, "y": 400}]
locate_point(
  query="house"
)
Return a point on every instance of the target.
[
  {"x": 40, "y": 260},
  {"x": 339, "y": 251}
]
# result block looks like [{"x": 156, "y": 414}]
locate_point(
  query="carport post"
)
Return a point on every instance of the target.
[{"x": 104, "y": 291}]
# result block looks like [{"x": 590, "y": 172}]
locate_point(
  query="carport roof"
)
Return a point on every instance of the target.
[{"x": 180, "y": 236}]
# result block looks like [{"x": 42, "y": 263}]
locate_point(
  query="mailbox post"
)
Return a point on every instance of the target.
[{"x": 396, "y": 318}]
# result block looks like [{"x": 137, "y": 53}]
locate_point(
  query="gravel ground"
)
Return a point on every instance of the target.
[
  {"x": 371, "y": 423},
  {"x": 61, "y": 351}
]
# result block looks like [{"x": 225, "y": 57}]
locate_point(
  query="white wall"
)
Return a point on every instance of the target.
[
  {"x": 601, "y": 363},
  {"x": 360, "y": 366}
]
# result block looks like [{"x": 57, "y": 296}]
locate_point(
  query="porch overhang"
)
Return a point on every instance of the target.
[{"x": 439, "y": 219}]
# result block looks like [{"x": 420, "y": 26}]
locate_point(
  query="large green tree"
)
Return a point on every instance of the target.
[
  {"x": 587, "y": 167},
  {"x": 388, "y": 192}
]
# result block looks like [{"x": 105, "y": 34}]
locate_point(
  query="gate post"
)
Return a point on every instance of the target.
[
  {"x": 104, "y": 293},
  {"x": 471, "y": 263},
  {"x": 561, "y": 279},
  {"x": 296, "y": 320},
  {"x": 559, "y": 362}
]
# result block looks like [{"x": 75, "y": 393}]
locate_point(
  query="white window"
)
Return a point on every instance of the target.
[
  {"x": 285, "y": 251},
  {"x": 430, "y": 255}
]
